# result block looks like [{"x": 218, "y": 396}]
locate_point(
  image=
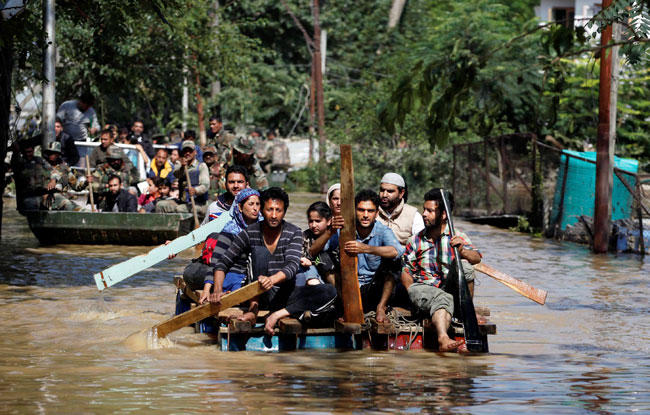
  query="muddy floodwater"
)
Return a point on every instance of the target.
[{"x": 61, "y": 348}]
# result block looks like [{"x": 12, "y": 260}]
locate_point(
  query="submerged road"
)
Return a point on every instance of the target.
[{"x": 61, "y": 347}]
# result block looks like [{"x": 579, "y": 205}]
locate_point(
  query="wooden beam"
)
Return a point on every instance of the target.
[
  {"x": 207, "y": 310},
  {"x": 350, "y": 293}
]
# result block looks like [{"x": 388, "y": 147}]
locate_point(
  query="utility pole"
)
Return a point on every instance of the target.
[
  {"x": 604, "y": 146},
  {"x": 320, "y": 104},
  {"x": 49, "y": 104}
]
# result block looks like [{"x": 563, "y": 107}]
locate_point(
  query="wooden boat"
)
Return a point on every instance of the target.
[
  {"x": 99, "y": 228},
  {"x": 292, "y": 334}
]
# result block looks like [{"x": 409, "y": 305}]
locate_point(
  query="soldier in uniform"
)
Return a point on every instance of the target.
[
  {"x": 63, "y": 178},
  {"x": 216, "y": 170},
  {"x": 114, "y": 166},
  {"x": 32, "y": 176},
  {"x": 243, "y": 153}
]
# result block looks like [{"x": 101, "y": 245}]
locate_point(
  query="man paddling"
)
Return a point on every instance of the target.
[
  {"x": 427, "y": 261},
  {"x": 275, "y": 247}
]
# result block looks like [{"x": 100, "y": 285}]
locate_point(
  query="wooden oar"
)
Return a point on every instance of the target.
[
  {"x": 463, "y": 302},
  {"x": 119, "y": 272},
  {"x": 527, "y": 290},
  {"x": 90, "y": 187},
  {"x": 207, "y": 310},
  {"x": 196, "y": 218}
]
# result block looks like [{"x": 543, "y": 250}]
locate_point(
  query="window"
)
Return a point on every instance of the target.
[{"x": 563, "y": 15}]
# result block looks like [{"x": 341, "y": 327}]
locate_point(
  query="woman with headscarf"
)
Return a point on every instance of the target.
[{"x": 246, "y": 211}]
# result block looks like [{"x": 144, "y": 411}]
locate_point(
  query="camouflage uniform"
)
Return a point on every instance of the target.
[
  {"x": 104, "y": 171},
  {"x": 61, "y": 174},
  {"x": 256, "y": 175},
  {"x": 31, "y": 178}
]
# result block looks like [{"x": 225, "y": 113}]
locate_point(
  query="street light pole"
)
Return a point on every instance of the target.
[{"x": 49, "y": 61}]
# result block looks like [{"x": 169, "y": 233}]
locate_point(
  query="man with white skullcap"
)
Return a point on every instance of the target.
[{"x": 404, "y": 220}]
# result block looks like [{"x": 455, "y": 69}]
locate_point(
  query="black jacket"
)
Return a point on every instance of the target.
[{"x": 125, "y": 201}]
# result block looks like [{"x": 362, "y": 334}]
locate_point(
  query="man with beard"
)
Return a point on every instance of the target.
[
  {"x": 427, "y": 261},
  {"x": 161, "y": 167},
  {"x": 276, "y": 245},
  {"x": 404, "y": 220},
  {"x": 378, "y": 252},
  {"x": 114, "y": 166},
  {"x": 236, "y": 181},
  {"x": 117, "y": 199}
]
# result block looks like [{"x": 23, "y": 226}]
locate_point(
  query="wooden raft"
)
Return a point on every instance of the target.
[{"x": 288, "y": 325}]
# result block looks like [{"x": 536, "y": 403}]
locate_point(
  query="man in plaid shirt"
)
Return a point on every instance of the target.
[{"x": 427, "y": 261}]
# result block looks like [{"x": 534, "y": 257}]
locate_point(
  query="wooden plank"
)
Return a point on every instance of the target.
[
  {"x": 207, "y": 310},
  {"x": 126, "y": 269},
  {"x": 527, "y": 290},
  {"x": 290, "y": 325},
  {"x": 238, "y": 326},
  {"x": 350, "y": 293},
  {"x": 345, "y": 327}
]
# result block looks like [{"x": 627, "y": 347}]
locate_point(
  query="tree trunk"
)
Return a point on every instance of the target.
[
  {"x": 395, "y": 13},
  {"x": 320, "y": 104}
]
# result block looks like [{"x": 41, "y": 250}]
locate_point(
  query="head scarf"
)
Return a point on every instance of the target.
[
  {"x": 238, "y": 224},
  {"x": 336, "y": 186}
]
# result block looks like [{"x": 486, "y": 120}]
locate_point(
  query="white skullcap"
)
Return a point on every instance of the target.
[{"x": 393, "y": 178}]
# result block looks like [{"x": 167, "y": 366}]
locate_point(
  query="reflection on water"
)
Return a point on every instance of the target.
[{"x": 62, "y": 351}]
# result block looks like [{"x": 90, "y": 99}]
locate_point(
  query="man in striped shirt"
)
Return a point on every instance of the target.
[
  {"x": 426, "y": 263},
  {"x": 276, "y": 245}
]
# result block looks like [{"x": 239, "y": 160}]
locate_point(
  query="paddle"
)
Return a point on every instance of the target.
[
  {"x": 196, "y": 218},
  {"x": 527, "y": 290},
  {"x": 90, "y": 187},
  {"x": 208, "y": 309},
  {"x": 119, "y": 272},
  {"x": 463, "y": 304}
]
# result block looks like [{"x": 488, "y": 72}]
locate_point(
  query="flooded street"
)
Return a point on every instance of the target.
[{"x": 586, "y": 351}]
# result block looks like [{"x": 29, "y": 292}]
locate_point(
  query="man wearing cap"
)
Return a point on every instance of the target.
[
  {"x": 197, "y": 188},
  {"x": 62, "y": 177},
  {"x": 404, "y": 220},
  {"x": 161, "y": 166},
  {"x": 216, "y": 169},
  {"x": 98, "y": 155},
  {"x": 114, "y": 166},
  {"x": 243, "y": 153}
]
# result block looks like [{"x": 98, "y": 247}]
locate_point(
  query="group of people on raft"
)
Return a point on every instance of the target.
[{"x": 403, "y": 256}]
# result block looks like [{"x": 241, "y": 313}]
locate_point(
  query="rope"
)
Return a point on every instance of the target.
[{"x": 398, "y": 320}]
